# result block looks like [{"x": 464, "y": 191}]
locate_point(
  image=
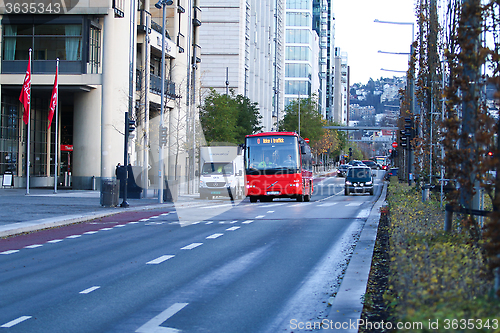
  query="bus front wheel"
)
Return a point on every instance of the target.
[{"x": 253, "y": 199}]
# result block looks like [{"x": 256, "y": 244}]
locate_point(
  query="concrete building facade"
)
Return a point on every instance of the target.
[
  {"x": 242, "y": 49},
  {"x": 341, "y": 87},
  {"x": 100, "y": 78}
]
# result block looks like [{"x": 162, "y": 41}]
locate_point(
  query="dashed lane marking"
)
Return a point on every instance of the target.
[
  {"x": 34, "y": 246},
  {"x": 89, "y": 290},
  {"x": 160, "y": 259},
  {"x": 259, "y": 217},
  {"x": 55, "y": 241},
  {"x": 9, "y": 252},
  {"x": 247, "y": 222},
  {"x": 214, "y": 236},
  {"x": 15, "y": 321},
  {"x": 191, "y": 246},
  {"x": 232, "y": 228},
  {"x": 74, "y": 236}
]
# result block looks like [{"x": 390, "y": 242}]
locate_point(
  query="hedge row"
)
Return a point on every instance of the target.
[{"x": 435, "y": 278}]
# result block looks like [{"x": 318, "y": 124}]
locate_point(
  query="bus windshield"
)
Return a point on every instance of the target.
[{"x": 272, "y": 154}]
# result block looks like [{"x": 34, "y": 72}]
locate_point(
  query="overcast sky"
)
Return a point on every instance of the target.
[{"x": 362, "y": 38}]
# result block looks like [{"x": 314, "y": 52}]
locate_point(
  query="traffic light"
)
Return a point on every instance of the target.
[
  {"x": 403, "y": 139},
  {"x": 350, "y": 152},
  {"x": 409, "y": 127},
  {"x": 131, "y": 125},
  {"x": 163, "y": 135}
]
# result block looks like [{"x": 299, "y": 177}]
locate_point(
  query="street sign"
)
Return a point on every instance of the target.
[
  {"x": 306, "y": 140},
  {"x": 394, "y": 145}
]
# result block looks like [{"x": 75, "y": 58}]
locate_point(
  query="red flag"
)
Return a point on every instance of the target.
[
  {"x": 53, "y": 100},
  {"x": 26, "y": 94}
]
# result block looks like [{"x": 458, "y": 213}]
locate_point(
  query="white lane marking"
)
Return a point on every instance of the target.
[
  {"x": 301, "y": 204},
  {"x": 259, "y": 217},
  {"x": 120, "y": 225},
  {"x": 270, "y": 211},
  {"x": 153, "y": 326},
  {"x": 234, "y": 221},
  {"x": 9, "y": 252},
  {"x": 89, "y": 290},
  {"x": 355, "y": 204},
  {"x": 197, "y": 222},
  {"x": 247, "y": 222},
  {"x": 90, "y": 232},
  {"x": 191, "y": 246},
  {"x": 328, "y": 204},
  {"x": 34, "y": 246},
  {"x": 160, "y": 260},
  {"x": 15, "y": 321},
  {"x": 143, "y": 220},
  {"x": 209, "y": 222},
  {"x": 55, "y": 241},
  {"x": 133, "y": 222},
  {"x": 214, "y": 236},
  {"x": 74, "y": 236},
  {"x": 164, "y": 214},
  {"x": 216, "y": 206},
  {"x": 106, "y": 229},
  {"x": 154, "y": 217},
  {"x": 233, "y": 228}
]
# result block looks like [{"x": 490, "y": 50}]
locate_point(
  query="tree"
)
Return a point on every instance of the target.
[
  {"x": 228, "y": 118},
  {"x": 248, "y": 121},
  {"x": 311, "y": 125}
]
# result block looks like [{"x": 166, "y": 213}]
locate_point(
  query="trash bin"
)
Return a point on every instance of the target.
[
  {"x": 109, "y": 192},
  {"x": 171, "y": 191}
]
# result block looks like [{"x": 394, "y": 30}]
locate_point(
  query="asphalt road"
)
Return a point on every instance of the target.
[{"x": 208, "y": 267}]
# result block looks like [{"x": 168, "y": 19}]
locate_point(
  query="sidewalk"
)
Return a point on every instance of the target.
[{"x": 43, "y": 209}]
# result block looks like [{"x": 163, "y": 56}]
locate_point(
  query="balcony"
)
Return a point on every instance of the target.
[
  {"x": 155, "y": 86},
  {"x": 145, "y": 18},
  {"x": 197, "y": 16}
]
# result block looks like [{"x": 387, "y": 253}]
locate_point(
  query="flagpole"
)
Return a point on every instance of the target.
[
  {"x": 29, "y": 135},
  {"x": 57, "y": 128}
]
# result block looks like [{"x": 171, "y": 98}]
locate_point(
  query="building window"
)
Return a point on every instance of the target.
[
  {"x": 9, "y": 135},
  {"x": 302, "y": 19},
  {"x": 298, "y": 36},
  {"x": 293, "y": 87},
  {"x": 301, "y": 53},
  {"x": 298, "y": 4},
  {"x": 298, "y": 70},
  {"x": 47, "y": 41},
  {"x": 94, "y": 50}
]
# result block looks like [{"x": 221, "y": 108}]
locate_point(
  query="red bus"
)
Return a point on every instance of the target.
[{"x": 278, "y": 165}]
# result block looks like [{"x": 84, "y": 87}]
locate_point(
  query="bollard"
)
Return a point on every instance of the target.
[
  {"x": 93, "y": 183},
  {"x": 448, "y": 217},
  {"x": 425, "y": 193}
]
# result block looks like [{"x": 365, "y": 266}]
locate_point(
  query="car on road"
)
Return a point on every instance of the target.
[
  {"x": 372, "y": 164},
  {"x": 342, "y": 170},
  {"x": 359, "y": 179},
  {"x": 356, "y": 163},
  {"x": 391, "y": 172}
]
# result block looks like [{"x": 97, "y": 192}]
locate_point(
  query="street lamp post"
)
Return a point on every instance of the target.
[
  {"x": 161, "y": 5},
  {"x": 411, "y": 82}
]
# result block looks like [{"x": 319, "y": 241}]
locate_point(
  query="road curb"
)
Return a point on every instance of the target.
[
  {"x": 348, "y": 303},
  {"x": 53, "y": 222}
]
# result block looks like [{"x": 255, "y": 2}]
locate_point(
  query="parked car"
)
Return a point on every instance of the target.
[
  {"x": 391, "y": 172},
  {"x": 359, "y": 180},
  {"x": 342, "y": 170},
  {"x": 372, "y": 164}
]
